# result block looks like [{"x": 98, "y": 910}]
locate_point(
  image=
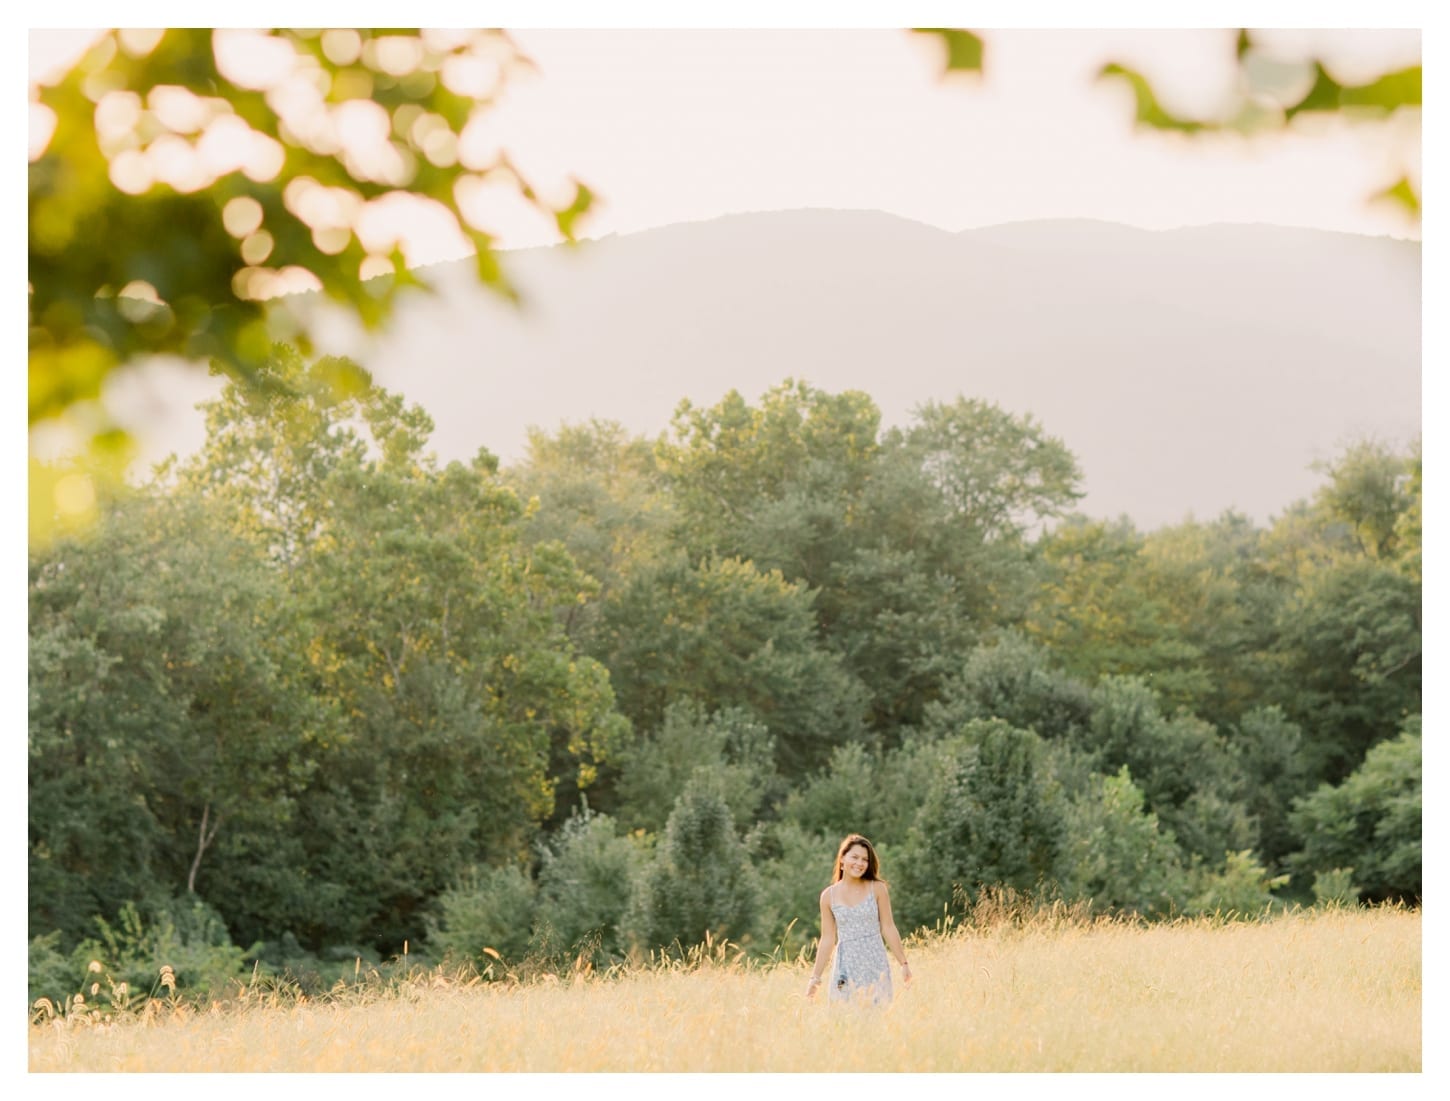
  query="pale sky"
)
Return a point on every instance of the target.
[
  {"x": 683, "y": 125},
  {"x": 775, "y": 108}
]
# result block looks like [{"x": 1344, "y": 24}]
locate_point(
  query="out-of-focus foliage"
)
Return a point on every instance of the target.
[
  {"x": 963, "y": 48},
  {"x": 1271, "y": 91},
  {"x": 193, "y": 175}
]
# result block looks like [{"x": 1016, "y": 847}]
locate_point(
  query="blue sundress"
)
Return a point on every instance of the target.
[{"x": 860, "y": 966}]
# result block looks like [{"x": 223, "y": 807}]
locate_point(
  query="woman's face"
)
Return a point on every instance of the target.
[{"x": 854, "y": 862}]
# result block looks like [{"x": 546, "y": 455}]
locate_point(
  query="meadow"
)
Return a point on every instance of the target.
[{"x": 1305, "y": 991}]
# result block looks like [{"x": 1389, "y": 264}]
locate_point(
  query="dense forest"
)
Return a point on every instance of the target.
[{"x": 309, "y": 696}]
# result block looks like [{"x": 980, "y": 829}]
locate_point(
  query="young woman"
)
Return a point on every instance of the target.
[{"x": 856, "y": 925}]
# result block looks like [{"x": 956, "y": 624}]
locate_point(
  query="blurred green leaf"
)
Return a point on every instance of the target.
[
  {"x": 101, "y": 221},
  {"x": 1252, "y": 110},
  {"x": 1402, "y": 88},
  {"x": 1323, "y": 94},
  {"x": 963, "y": 48},
  {"x": 1148, "y": 111},
  {"x": 1390, "y": 91},
  {"x": 583, "y": 200},
  {"x": 1403, "y": 193}
]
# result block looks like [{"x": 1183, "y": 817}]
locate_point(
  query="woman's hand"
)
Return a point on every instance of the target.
[
  {"x": 811, "y": 987},
  {"x": 906, "y": 973}
]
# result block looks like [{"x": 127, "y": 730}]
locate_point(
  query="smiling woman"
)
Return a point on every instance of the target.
[{"x": 857, "y": 927}]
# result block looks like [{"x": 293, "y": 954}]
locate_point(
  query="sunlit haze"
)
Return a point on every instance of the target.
[{"x": 686, "y": 125}]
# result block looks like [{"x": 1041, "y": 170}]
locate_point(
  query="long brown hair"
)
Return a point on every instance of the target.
[{"x": 873, "y": 866}]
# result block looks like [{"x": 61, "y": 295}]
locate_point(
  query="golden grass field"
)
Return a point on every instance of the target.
[{"x": 1311, "y": 991}]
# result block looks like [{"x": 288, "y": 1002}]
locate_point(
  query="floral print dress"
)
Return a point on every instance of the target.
[{"x": 861, "y": 966}]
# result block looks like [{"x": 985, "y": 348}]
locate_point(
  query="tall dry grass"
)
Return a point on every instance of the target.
[{"x": 1311, "y": 991}]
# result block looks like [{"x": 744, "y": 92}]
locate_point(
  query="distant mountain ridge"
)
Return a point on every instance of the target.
[{"x": 1191, "y": 370}]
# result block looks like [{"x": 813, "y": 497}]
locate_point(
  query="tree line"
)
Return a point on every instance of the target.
[{"x": 310, "y": 695}]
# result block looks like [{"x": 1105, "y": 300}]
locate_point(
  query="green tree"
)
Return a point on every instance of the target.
[
  {"x": 1097, "y": 612},
  {"x": 1117, "y": 854},
  {"x": 1270, "y": 749},
  {"x": 996, "y": 475},
  {"x": 942, "y": 554},
  {"x": 793, "y": 865},
  {"x": 1188, "y": 774},
  {"x": 485, "y": 915},
  {"x": 842, "y": 797},
  {"x": 426, "y": 623},
  {"x": 1345, "y": 660},
  {"x": 1350, "y": 645},
  {"x": 700, "y": 883},
  {"x": 1013, "y": 679},
  {"x": 771, "y": 482},
  {"x": 913, "y": 540},
  {"x": 1213, "y": 593},
  {"x": 1409, "y": 525},
  {"x": 586, "y": 874},
  {"x": 596, "y": 490},
  {"x": 992, "y": 816},
  {"x": 1369, "y": 488},
  {"x": 1242, "y": 886},
  {"x": 1371, "y": 822},
  {"x": 730, "y": 746},
  {"x": 727, "y": 635},
  {"x": 170, "y": 739}
]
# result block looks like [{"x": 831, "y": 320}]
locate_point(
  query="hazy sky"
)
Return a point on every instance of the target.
[
  {"x": 673, "y": 126},
  {"x": 690, "y": 124},
  {"x": 682, "y": 125}
]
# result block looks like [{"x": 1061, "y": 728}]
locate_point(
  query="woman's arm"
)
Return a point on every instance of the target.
[
  {"x": 888, "y": 928},
  {"x": 825, "y": 946}
]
